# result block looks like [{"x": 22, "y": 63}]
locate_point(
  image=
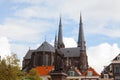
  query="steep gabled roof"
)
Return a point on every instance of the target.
[
  {"x": 116, "y": 58},
  {"x": 94, "y": 73},
  {"x": 28, "y": 54},
  {"x": 71, "y": 52},
  {"x": 46, "y": 47}
]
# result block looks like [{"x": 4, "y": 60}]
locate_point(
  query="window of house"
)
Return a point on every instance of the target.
[
  {"x": 89, "y": 73},
  {"x": 117, "y": 78},
  {"x": 110, "y": 67},
  {"x": 106, "y": 76},
  {"x": 72, "y": 73},
  {"x": 116, "y": 68}
]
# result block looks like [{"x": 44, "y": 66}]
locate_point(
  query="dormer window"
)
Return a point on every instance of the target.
[
  {"x": 72, "y": 73},
  {"x": 89, "y": 73},
  {"x": 106, "y": 76},
  {"x": 118, "y": 58}
]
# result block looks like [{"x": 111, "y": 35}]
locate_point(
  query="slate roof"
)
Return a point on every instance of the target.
[
  {"x": 71, "y": 52},
  {"x": 28, "y": 54},
  {"x": 46, "y": 47},
  {"x": 68, "y": 52}
]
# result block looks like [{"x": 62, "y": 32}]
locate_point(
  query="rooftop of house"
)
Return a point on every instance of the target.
[
  {"x": 116, "y": 58},
  {"x": 90, "y": 72},
  {"x": 44, "y": 70}
]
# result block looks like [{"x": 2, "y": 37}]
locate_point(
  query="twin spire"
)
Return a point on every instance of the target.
[
  {"x": 60, "y": 37},
  {"x": 81, "y": 42}
]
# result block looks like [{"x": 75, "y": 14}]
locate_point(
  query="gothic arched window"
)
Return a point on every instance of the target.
[
  {"x": 39, "y": 60},
  {"x": 46, "y": 59}
]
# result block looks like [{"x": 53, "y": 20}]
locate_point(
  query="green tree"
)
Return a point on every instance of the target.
[
  {"x": 9, "y": 68},
  {"x": 32, "y": 75}
]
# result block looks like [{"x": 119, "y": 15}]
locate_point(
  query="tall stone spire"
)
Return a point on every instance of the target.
[
  {"x": 81, "y": 40},
  {"x": 55, "y": 42},
  {"x": 83, "y": 64},
  {"x": 60, "y": 37}
]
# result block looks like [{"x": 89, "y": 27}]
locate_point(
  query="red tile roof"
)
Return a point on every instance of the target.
[
  {"x": 94, "y": 73},
  {"x": 44, "y": 70}
]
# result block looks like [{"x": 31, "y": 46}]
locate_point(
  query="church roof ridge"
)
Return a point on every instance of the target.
[{"x": 45, "y": 46}]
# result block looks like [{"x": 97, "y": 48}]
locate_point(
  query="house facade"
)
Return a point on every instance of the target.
[{"x": 112, "y": 71}]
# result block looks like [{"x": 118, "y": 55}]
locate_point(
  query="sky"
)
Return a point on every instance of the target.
[{"x": 27, "y": 24}]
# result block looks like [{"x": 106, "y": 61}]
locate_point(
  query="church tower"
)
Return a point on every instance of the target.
[
  {"x": 60, "y": 37},
  {"x": 83, "y": 64}
]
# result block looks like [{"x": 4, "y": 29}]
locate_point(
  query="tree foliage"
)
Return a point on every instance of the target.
[
  {"x": 9, "y": 68},
  {"x": 32, "y": 75}
]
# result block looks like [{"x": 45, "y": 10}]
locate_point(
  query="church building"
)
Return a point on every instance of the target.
[{"x": 74, "y": 58}]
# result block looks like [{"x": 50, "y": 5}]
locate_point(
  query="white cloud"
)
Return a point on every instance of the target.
[
  {"x": 111, "y": 32},
  {"x": 103, "y": 28},
  {"x": 69, "y": 42},
  {"x": 4, "y": 47},
  {"x": 37, "y": 12},
  {"x": 101, "y": 55},
  {"x": 93, "y": 11},
  {"x": 28, "y": 1},
  {"x": 24, "y": 30},
  {"x": 19, "y": 49},
  {"x": 95, "y": 8}
]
